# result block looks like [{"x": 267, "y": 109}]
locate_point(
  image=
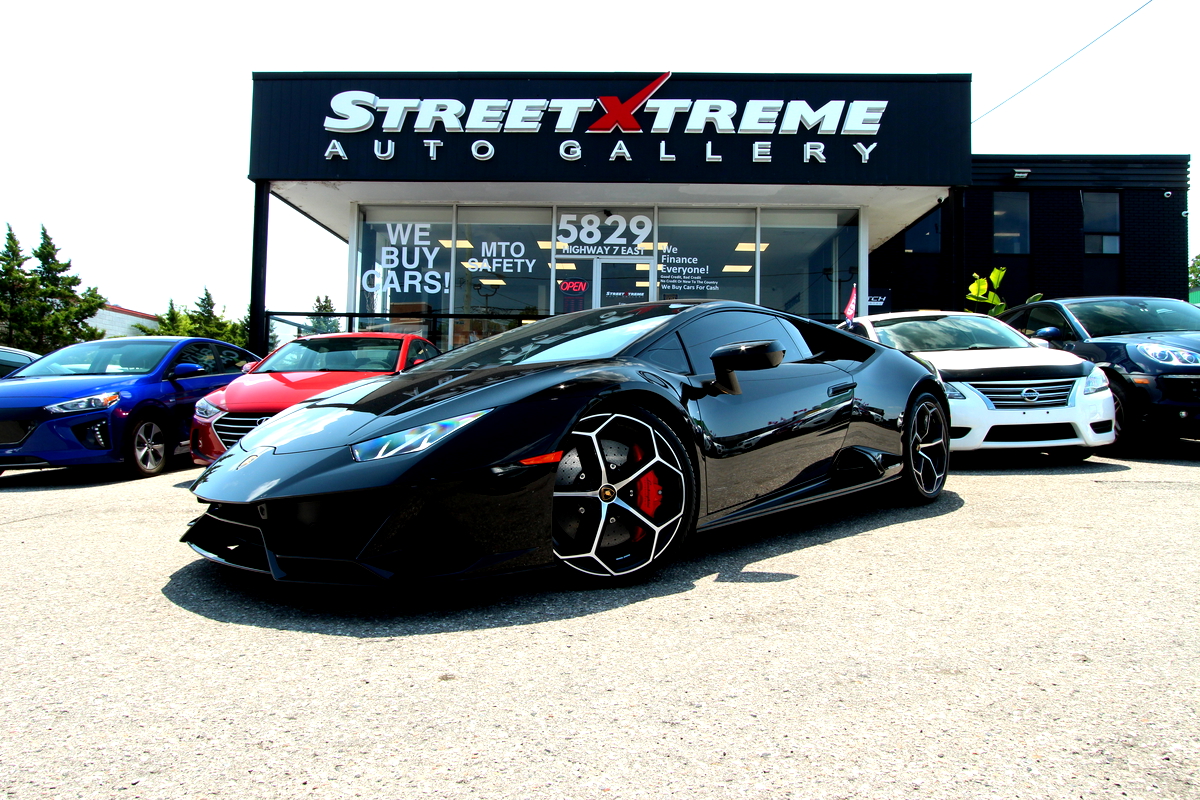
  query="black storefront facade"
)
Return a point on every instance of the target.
[{"x": 471, "y": 203}]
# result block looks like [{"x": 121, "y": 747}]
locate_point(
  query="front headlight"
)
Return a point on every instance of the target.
[
  {"x": 97, "y": 402},
  {"x": 413, "y": 440},
  {"x": 1169, "y": 355},
  {"x": 1096, "y": 381},
  {"x": 207, "y": 410},
  {"x": 953, "y": 393}
]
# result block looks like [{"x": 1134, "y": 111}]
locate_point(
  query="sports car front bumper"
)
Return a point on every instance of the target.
[{"x": 479, "y": 522}]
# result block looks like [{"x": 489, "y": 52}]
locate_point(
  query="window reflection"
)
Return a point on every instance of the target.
[
  {"x": 501, "y": 269},
  {"x": 809, "y": 261}
]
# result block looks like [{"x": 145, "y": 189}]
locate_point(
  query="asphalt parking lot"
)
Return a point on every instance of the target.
[{"x": 1033, "y": 634}]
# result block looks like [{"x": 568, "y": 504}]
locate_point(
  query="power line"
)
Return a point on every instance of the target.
[{"x": 1065, "y": 60}]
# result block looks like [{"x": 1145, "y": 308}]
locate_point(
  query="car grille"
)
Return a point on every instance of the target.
[
  {"x": 1026, "y": 394},
  {"x": 1181, "y": 388},
  {"x": 232, "y": 427},
  {"x": 1047, "y": 432}
]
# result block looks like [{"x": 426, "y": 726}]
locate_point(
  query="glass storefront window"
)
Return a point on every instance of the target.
[
  {"x": 708, "y": 253},
  {"x": 603, "y": 257},
  {"x": 404, "y": 268},
  {"x": 809, "y": 261},
  {"x": 460, "y": 274},
  {"x": 502, "y": 268}
]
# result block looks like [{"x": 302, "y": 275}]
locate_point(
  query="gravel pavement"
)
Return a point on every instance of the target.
[{"x": 1033, "y": 634}]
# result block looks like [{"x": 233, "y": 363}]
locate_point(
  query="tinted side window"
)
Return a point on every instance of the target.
[
  {"x": 828, "y": 344},
  {"x": 10, "y": 361},
  {"x": 668, "y": 354},
  {"x": 419, "y": 350},
  {"x": 708, "y": 333},
  {"x": 1017, "y": 320},
  {"x": 197, "y": 353},
  {"x": 231, "y": 359},
  {"x": 1046, "y": 317}
]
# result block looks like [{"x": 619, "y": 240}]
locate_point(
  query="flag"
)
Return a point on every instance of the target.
[{"x": 851, "y": 304}]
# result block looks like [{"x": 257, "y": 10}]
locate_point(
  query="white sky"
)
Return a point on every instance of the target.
[{"x": 125, "y": 127}]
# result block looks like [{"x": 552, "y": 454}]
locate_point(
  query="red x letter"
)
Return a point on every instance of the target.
[{"x": 620, "y": 115}]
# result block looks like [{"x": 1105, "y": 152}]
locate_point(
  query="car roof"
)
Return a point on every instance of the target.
[
  {"x": 1100, "y": 297},
  {"x": 360, "y": 335},
  {"x": 19, "y": 351},
  {"x": 915, "y": 314}
]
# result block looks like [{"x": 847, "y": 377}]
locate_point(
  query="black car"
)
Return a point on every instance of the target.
[
  {"x": 1148, "y": 346},
  {"x": 597, "y": 440}
]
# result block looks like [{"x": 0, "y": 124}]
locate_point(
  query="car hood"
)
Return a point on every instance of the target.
[
  {"x": 271, "y": 392},
  {"x": 1189, "y": 340},
  {"x": 1008, "y": 363},
  {"x": 45, "y": 389},
  {"x": 384, "y": 405}
]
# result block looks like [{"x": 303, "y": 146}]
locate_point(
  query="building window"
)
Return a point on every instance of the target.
[
  {"x": 404, "y": 268},
  {"x": 503, "y": 268},
  {"x": 707, "y": 254},
  {"x": 925, "y": 236},
  {"x": 809, "y": 261},
  {"x": 1010, "y": 223},
  {"x": 1102, "y": 222}
]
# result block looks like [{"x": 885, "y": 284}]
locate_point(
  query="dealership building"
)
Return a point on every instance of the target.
[{"x": 473, "y": 202}]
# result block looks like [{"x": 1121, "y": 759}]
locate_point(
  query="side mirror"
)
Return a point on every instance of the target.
[
  {"x": 249, "y": 365},
  {"x": 1039, "y": 341},
  {"x": 185, "y": 370},
  {"x": 743, "y": 357},
  {"x": 1050, "y": 334}
]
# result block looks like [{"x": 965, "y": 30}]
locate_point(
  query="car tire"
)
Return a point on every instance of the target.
[
  {"x": 146, "y": 452},
  {"x": 926, "y": 450},
  {"x": 1129, "y": 422},
  {"x": 624, "y": 496}
]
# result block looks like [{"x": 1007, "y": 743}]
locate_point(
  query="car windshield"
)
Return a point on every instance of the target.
[
  {"x": 601, "y": 333},
  {"x": 343, "y": 354},
  {"x": 1117, "y": 316},
  {"x": 124, "y": 357},
  {"x": 951, "y": 332}
]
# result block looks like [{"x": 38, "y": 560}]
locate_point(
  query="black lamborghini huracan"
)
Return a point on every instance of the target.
[{"x": 597, "y": 440}]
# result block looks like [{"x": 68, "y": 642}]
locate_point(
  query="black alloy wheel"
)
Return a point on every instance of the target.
[
  {"x": 926, "y": 450},
  {"x": 146, "y": 448},
  {"x": 624, "y": 496}
]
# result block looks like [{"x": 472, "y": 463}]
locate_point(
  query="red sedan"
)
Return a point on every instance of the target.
[{"x": 294, "y": 372}]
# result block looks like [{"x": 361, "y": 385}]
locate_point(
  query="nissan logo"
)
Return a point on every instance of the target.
[{"x": 1030, "y": 395}]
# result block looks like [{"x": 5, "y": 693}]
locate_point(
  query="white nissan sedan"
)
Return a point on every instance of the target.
[{"x": 1005, "y": 391}]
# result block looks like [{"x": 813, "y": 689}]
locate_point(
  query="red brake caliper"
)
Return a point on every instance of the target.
[{"x": 648, "y": 494}]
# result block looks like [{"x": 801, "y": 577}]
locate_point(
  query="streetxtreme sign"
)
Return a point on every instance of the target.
[{"x": 772, "y": 129}]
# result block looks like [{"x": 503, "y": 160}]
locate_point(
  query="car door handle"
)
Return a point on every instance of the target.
[{"x": 841, "y": 388}]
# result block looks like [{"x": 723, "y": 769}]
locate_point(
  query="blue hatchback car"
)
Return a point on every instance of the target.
[{"x": 127, "y": 401}]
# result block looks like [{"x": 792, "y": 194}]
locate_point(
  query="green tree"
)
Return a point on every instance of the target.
[
  {"x": 41, "y": 308},
  {"x": 323, "y": 324},
  {"x": 1194, "y": 273},
  {"x": 16, "y": 291},
  {"x": 174, "y": 322},
  {"x": 201, "y": 321},
  {"x": 207, "y": 322}
]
